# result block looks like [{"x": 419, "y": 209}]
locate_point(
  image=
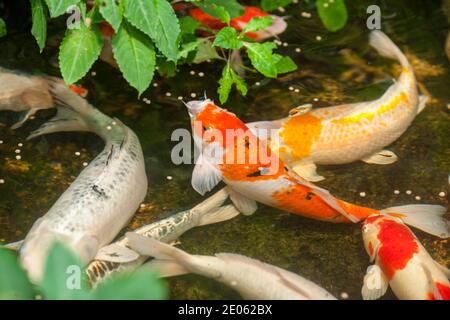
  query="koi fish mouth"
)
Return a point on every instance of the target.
[{"x": 195, "y": 107}]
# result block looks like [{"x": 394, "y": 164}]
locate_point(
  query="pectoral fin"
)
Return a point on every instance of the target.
[
  {"x": 423, "y": 99},
  {"x": 245, "y": 205},
  {"x": 381, "y": 157},
  {"x": 205, "y": 176},
  {"x": 375, "y": 283},
  {"x": 308, "y": 172},
  {"x": 116, "y": 253},
  {"x": 304, "y": 108},
  {"x": 14, "y": 245},
  {"x": 23, "y": 118}
]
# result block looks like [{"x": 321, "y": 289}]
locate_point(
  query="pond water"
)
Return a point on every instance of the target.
[{"x": 340, "y": 68}]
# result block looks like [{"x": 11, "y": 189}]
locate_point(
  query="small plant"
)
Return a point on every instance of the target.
[{"x": 64, "y": 279}]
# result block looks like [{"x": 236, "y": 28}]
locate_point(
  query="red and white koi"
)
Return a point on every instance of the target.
[
  {"x": 347, "y": 133},
  {"x": 227, "y": 153},
  {"x": 401, "y": 262}
]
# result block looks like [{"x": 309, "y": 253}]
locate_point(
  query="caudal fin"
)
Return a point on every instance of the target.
[
  {"x": 385, "y": 47},
  {"x": 169, "y": 261},
  {"x": 428, "y": 218}
]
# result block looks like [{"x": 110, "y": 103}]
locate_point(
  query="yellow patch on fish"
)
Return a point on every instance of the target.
[
  {"x": 370, "y": 115},
  {"x": 300, "y": 132}
]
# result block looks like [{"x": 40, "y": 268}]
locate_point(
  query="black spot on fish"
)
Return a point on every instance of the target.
[
  {"x": 254, "y": 174},
  {"x": 99, "y": 191},
  {"x": 309, "y": 195}
]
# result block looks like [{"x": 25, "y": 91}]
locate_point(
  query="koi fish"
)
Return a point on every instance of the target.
[
  {"x": 103, "y": 198},
  {"x": 253, "y": 279},
  {"x": 27, "y": 94},
  {"x": 119, "y": 257},
  {"x": 401, "y": 262},
  {"x": 278, "y": 26},
  {"x": 253, "y": 173},
  {"x": 350, "y": 132}
]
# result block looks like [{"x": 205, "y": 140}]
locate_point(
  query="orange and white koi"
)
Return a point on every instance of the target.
[
  {"x": 350, "y": 132},
  {"x": 401, "y": 262},
  {"x": 266, "y": 179}
]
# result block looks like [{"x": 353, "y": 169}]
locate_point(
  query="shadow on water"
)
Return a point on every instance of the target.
[{"x": 338, "y": 69}]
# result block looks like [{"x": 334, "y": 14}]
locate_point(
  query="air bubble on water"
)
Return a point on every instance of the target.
[
  {"x": 344, "y": 295},
  {"x": 396, "y": 191},
  {"x": 362, "y": 194},
  {"x": 442, "y": 194},
  {"x": 2, "y": 181},
  {"x": 408, "y": 192},
  {"x": 169, "y": 177}
]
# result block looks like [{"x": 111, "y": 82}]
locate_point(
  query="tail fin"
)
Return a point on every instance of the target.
[
  {"x": 385, "y": 47},
  {"x": 428, "y": 218},
  {"x": 169, "y": 261},
  {"x": 219, "y": 215},
  {"x": 213, "y": 202}
]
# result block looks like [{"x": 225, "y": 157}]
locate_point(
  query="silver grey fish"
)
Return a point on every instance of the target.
[
  {"x": 23, "y": 93},
  {"x": 118, "y": 256},
  {"x": 103, "y": 198},
  {"x": 253, "y": 279}
]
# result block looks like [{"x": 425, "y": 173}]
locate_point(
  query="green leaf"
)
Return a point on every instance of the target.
[
  {"x": 39, "y": 17},
  {"x": 63, "y": 277},
  {"x": 2, "y": 28},
  {"x": 59, "y": 7},
  {"x": 261, "y": 57},
  {"x": 229, "y": 77},
  {"x": 157, "y": 19},
  {"x": 142, "y": 284},
  {"x": 166, "y": 68},
  {"x": 216, "y": 11},
  {"x": 269, "y": 5},
  {"x": 333, "y": 14},
  {"x": 14, "y": 284},
  {"x": 135, "y": 55},
  {"x": 227, "y": 38},
  {"x": 188, "y": 48},
  {"x": 258, "y": 23},
  {"x": 112, "y": 13},
  {"x": 188, "y": 25},
  {"x": 205, "y": 51},
  {"x": 284, "y": 64},
  {"x": 78, "y": 52},
  {"x": 234, "y": 8}
]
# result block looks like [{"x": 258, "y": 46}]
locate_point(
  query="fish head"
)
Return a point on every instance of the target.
[
  {"x": 370, "y": 230},
  {"x": 278, "y": 26},
  {"x": 224, "y": 139}
]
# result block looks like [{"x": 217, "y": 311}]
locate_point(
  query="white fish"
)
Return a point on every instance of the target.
[
  {"x": 253, "y": 279},
  {"x": 118, "y": 256},
  {"x": 23, "y": 93},
  {"x": 350, "y": 132},
  {"x": 103, "y": 198},
  {"x": 401, "y": 262}
]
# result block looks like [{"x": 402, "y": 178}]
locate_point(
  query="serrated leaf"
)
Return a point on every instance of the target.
[
  {"x": 205, "y": 51},
  {"x": 39, "y": 17},
  {"x": 142, "y": 284},
  {"x": 59, "y": 7},
  {"x": 79, "y": 50},
  {"x": 234, "y": 8},
  {"x": 258, "y": 23},
  {"x": 261, "y": 57},
  {"x": 64, "y": 278},
  {"x": 112, "y": 13},
  {"x": 269, "y": 5},
  {"x": 227, "y": 38},
  {"x": 2, "y": 28},
  {"x": 157, "y": 19},
  {"x": 229, "y": 77},
  {"x": 135, "y": 55},
  {"x": 284, "y": 64},
  {"x": 14, "y": 284},
  {"x": 333, "y": 14}
]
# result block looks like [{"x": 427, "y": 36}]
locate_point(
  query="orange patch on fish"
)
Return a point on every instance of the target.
[
  {"x": 303, "y": 201},
  {"x": 370, "y": 115},
  {"x": 299, "y": 134},
  {"x": 444, "y": 290},
  {"x": 398, "y": 245}
]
